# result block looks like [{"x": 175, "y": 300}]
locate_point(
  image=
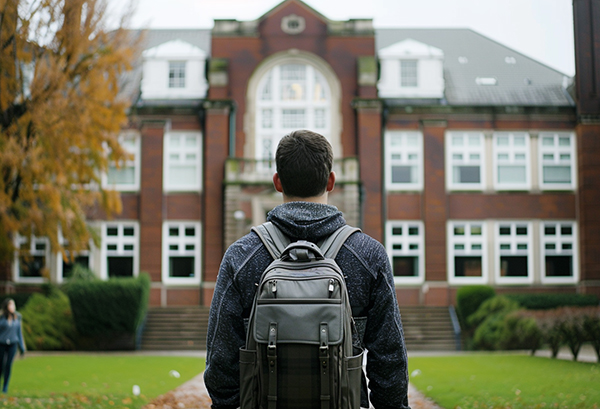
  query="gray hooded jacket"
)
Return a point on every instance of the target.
[{"x": 370, "y": 284}]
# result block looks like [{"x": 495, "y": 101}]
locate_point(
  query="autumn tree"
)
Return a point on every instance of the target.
[{"x": 61, "y": 109}]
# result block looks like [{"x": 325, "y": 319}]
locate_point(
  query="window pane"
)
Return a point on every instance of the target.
[
  {"x": 502, "y": 141},
  {"x": 559, "y": 266},
  {"x": 550, "y": 230},
  {"x": 397, "y": 231},
  {"x": 511, "y": 174},
  {"x": 128, "y": 247},
  {"x": 474, "y": 140},
  {"x": 293, "y": 118},
  {"x": 190, "y": 231},
  {"x": 557, "y": 174},
  {"x": 466, "y": 174},
  {"x": 566, "y": 230},
  {"x": 564, "y": 141},
  {"x": 112, "y": 231},
  {"x": 476, "y": 230},
  {"x": 413, "y": 231},
  {"x": 83, "y": 261},
  {"x": 467, "y": 267},
  {"x": 121, "y": 176},
  {"x": 513, "y": 266},
  {"x": 31, "y": 266},
  {"x": 120, "y": 266},
  {"x": 457, "y": 141},
  {"x": 181, "y": 266},
  {"x": 405, "y": 266},
  {"x": 128, "y": 231},
  {"x": 173, "y": 231},
  {"x": 522, "y": 230},
  {"x": 548, "y": 141},
  {"x": 505, "y": 230},
  {"x": 402, "y": 174},
  {"x": 459, "y": 230},
  {"x": 519, "y": 141},
  {"x": 183, "y": 175},
  {"x": 408, "y": 73}
]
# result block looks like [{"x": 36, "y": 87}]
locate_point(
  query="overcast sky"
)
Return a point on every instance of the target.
[{"x": 541, "y": 29}]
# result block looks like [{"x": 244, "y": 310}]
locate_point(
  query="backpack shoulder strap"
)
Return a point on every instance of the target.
[
  {"x": 332, "y": 245},
  {"x": 273, "y": 239}
]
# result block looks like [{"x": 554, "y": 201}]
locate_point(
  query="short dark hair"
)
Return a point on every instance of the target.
[{"x": 304, "y": 160}]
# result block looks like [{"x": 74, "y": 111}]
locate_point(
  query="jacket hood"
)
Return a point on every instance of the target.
[{"x": 306, "y": 220}]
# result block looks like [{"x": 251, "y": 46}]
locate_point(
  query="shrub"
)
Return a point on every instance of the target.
[
  {"x": 108, "y": 313},
  {"x": 469, "y": 298},
  {"x": 549, "y": 301},
  {"x": 520, "y": 331},
  {"x": 48, "y": 322},
  {"x": 591, "y": 326},
  {"x": 491, "y": 330}
]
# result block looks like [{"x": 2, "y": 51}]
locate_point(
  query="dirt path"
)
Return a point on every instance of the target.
[{"x": 193, "y": 395}]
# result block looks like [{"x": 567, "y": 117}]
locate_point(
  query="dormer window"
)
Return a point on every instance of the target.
[
  {"x": 409, "y": 75},
  {"x": 176, "y": 74},
  {"x": 411, "y": 69},
  {"x": 174, "y": 70}
]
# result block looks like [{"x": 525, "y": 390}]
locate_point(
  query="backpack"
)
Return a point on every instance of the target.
[{"x": 299, "y": 351}]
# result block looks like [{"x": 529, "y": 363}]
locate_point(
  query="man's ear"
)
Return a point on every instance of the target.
[
  {"x": 331, "y": 181},
  {"x": 277, "y": 183}
]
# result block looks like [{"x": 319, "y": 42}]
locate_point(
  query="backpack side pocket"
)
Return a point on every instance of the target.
[
  {"x": 352, "y": 372},
  {"x": 248, "y": 379}
]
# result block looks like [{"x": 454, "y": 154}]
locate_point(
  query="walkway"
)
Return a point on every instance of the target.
[{"x": 193, "y": 395}]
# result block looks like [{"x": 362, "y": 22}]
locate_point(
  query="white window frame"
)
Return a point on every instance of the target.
[
  {"x": 405, "y": 151},
  {"x": 181, "y": 241},
  {"x": 558, "y": 241},
  {"x": 121, "y": 241},
  {"x": 405, "y": 240},
  {"x": 59, "y": 258},
  {"x": 558, "y": 152},
  {"x": 177, "y": 81},
  {"x": 513, "y": 240},
  {"x": 467, "y": 151},
  {"x": 33, "y": 252},
  {"x": 135, "y": 150},
  {"x": 513, "y": 152},
  {"x": 468, "y": 241},
  {"x": 403, "y": 75},
  {"x": 183, "y": 152}
]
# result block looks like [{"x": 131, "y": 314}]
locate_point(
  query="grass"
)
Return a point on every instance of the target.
[
  {"x": 506, "y": 381},
  {"x": 95, "y": 381}
]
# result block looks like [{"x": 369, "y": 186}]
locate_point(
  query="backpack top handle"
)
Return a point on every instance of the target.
[{"x": 302, "y": 250}]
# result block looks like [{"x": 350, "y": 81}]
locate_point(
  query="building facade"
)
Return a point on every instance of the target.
[{"x": 470, "y": 162}]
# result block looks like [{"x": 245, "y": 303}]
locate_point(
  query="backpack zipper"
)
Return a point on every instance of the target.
[
  {"x": 331, "y": 282},
  {"x": 274, "y": 288}
]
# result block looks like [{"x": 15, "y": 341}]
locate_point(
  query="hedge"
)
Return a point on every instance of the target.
[
  {"x": 108, "y": 313},
  {"x": 48, "y": 322},
  {"x": 19, "y": 298},
  {"x": 469, "y": 298},
  {"x": 548, "y": 301}
]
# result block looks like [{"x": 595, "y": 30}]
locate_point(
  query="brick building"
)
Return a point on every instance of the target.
[{"x": 470, "y": 162}]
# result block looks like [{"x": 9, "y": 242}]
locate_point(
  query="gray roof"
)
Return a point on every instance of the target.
[{"x": 525, "y": 82}]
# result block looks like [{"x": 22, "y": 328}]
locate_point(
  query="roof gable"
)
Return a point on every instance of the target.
[
  {"x": 411, "y": 48},
  {"x": 175, "y": 49},
  {"x": 286, "y": 3}
]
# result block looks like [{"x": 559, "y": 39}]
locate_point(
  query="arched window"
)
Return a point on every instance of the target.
[{"x": 291, "y": 95}]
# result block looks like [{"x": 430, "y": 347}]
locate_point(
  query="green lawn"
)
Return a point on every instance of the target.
[
  {"x": 506, "y": 381},
  {"x": 95, "y": 381}
]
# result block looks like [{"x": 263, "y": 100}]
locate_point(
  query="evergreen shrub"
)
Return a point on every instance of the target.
[
  {"x": 108, "y": 313},
  {"x": 469, "y": 298},
  {"x": 549, "y": 301},
  {"x": 48, "y": 322},
  {"x": 19, "y": 298},
  {"x": 489, "y": 321}
]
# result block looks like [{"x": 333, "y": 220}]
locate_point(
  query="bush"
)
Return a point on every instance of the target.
[
  {"x": 108, "y": 313},
  {"x": 469, "y": 298},
  {"x": 48, "y": 322},
  {"x": 489, "y": 320},
  {"x": 549, "y": 301},
  {"x": 520, "y": 332},
  {"x": 591, "y": 326}
]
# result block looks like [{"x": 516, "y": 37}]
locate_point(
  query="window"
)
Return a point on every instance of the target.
[
  {"x": 514, "y": 262},
  {"x": 126, "y": 176},
  {"x": 120, "y": 242},
  {"x": 408, "y": 73},
  {"x": 559, "y": 252},
  {"x": 177, "y": 74},
  {"x": 31, "y": 264},
  {"x": 404, "y": 160},
  {"x": 465, "y": 153},
  {"x": 64, "y": 267},
  {"x": 467, "y": 252},
  {"x": 511, "y": 161},
  {"x": 405, "y": 242},
  {"x": 290, "y": 96},
  {"x": 181, "y": 253},
  {"x": 557, "y": 161},
  {"x": 182, "y": 161}
]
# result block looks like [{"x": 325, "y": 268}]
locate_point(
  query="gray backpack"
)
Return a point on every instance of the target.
[{"x": 299, "y": 351}]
